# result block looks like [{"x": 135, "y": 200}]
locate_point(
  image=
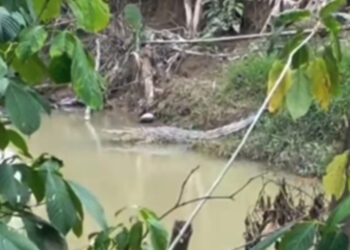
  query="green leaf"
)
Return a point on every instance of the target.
[
  {"x": 332, "y": 25},
  {"x": 32, "y": 71},
  {"x": 331, "y": 8},
  {"x": 122, "y": 239},
  {"x": 36, "y": 182},
  {"x": 159, "y": 235},
  {"x": 11, "y": 189},
  {"x": 103, "y": 240},
  {"x": 9, "y": 27},
  {"x": 334, "y": 181},
  {"x": 87, "y": 82},
  {"x": 301, "y": 57},
  {"x": 333, "y": 241},
  {"x": 64, "y": 42},
  {"x": 33, "y": 179},
  {"x": 59, "y": 205},
  {"x": 299, "y": 97},
  {"x": 321, "y": 82},
  {"x": 90, "y": 203},
  {"x": 133, "y": 17},
  {"x": 51, "y": 164},
  {"x": 336, "y": 47},
  {"x": 291, "y": 45},
  {"x": 269, "y": 240},
  {"x": 338, "y": 216},
  {"x": 22, "y": 108},
  {"x": 14, "y": 5},
  {"x": 3, "y": 68},
  {"x": 78, "y": 227},
  {"x": 4, "y": 139},
  {"x": 147, "y": 214},
  {"x": 31, "y": 41},
  {"x": 4, "y": 83},
  {"x": 135, "y": 237},
  {"x": 92, "y": 16},
  {"x": 17, "y": 140},
  {"x": 11, "y": 240},
  {"x": 60, "y": 69},
  {"x": 332, "y": 69},
  {"x": 292, "y": 16},
  {"x": 43, "y": 234},
  {"x": 44, "y": 104},
  {"x": 47, "y": 10},
  {"x": 277, "y": 100},
  {"x": 301, "y": 236}
]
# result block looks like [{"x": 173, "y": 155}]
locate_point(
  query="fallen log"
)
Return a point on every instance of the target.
[{"x": 173, "y": 134}]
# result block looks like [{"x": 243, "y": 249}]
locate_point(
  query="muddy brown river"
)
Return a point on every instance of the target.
[{"x": 148, "y": 176}]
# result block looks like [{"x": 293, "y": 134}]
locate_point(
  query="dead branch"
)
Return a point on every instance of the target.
[
  {"x": 289, "y": 225},
  {"x": 199, "y": 53},
  {"x": 231, "y": 38},
  {"x": 179, "y": 203},
  {"x": 184, "y": 183}
]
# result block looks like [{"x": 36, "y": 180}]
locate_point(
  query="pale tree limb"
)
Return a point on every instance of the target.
[
  {"x": 196, "y": 16},
  {"x": 272, "y": 12},
  {"x": 231, "y": 38},
  {"x": 188, "y": 12},
  {"x": 228, "y": 165},
  {"x": 288, "y": 226}
]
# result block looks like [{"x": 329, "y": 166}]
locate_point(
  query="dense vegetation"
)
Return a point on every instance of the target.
[{"x": 302, "y": 84}]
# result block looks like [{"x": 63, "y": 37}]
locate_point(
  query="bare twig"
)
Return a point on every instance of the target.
[
  {"x": 184, "y": 183},
  {"x": 289, "y": 225},
  {"x": 199, "y": 53},
  {"x": 179, "y": 203}
]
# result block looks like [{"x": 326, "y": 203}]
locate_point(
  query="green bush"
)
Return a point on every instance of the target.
[
  {"x": 304, "y": 146},
  {"x": 246, "y": 80}
]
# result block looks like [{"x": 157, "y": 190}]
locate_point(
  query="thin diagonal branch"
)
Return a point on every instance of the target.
[
  {"x": 228, "y": 165},
  {"x": 184, "y": 184}
]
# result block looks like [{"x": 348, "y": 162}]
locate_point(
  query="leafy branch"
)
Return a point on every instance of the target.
[{"x": 262, "y": 108}]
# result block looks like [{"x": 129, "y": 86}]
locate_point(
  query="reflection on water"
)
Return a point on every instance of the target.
[{"x": 147, "y": 176}]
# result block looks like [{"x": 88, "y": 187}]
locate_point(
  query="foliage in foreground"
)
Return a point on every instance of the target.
[
  {"x": 307, "y": 79},
  {"x": 26, "y": 183},
  {"x": 35, "y": 50}
]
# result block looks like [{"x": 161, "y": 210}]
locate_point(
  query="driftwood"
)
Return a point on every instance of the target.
[{"x": 175, "y": 135}]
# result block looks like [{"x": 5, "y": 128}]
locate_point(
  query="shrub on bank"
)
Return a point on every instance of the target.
[{"x": 303, "y": 146}]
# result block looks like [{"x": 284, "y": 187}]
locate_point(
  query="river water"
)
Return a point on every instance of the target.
[{"x": 148, "y": 176}]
